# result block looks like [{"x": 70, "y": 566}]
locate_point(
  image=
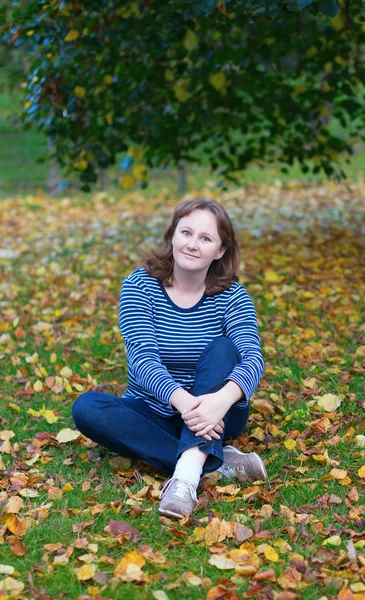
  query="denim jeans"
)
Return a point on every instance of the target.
[{"x": 129, "y": 427}]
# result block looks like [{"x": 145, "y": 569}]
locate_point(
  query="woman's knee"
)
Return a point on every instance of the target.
[
  {"x": 84, "y": 408},
  {"x": 222, "y": 348}
]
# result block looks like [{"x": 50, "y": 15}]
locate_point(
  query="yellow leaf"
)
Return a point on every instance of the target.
[
  {"x": 2, "y": 466},
  {"x": 334, "y": 540},
  {"x": 191, "y": 40},
  {"x": 361, "y": 471},
  {"x": 38, "y": 386},
  {"x": 360, "y": 351},
  {"x": 9, "y": 584},
  {"x": 85, "y": 572},
  {"x": 108, "y": 79},
  {"x": 138, "y": 171},
  {"x": 338, "y": 473},
  {"x": 218, "y": 81},
  {"x": 49, "y": 416},
  {"x": 329, "y": 402},
  {"x": 53, "y": 357},
  {"x": 131, "y": 558},
  {"x": 126, "y": 182},
  {"x": 66, "y": 372},
  {"x": 82, "y": 165},
  {"x": 14, "y": 406},
  {"x": 68, "y": 487},
  {"x": 72, "y": 35},
  {"x": 271, "y": 276},
  {"x": 67, "y": 435},
  {"x": 221, "y": 562},
  {"x": 271, "y": 554},
  {"x": 109, "y": 118},
  {"x": 290, "y": 444},
  {"x": 181, "y": 91},
  {"x": 79, "y": 91}
]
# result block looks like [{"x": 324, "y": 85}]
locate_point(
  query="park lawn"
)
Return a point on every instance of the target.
[{"x": 298, "y": 535}]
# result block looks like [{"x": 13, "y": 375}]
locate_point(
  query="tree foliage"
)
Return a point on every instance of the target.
[{"x": 239, "y": 81}]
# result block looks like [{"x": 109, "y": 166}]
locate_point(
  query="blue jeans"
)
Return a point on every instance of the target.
[{"x": 129, "y": 427}]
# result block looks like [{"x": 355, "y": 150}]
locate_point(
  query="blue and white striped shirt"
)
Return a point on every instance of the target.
[{"x": 164, "y": 341}]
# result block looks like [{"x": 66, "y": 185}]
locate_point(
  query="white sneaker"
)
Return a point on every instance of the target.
[
  {"x": 250, "y": 464},
  {"x": 178, "y": 498}
]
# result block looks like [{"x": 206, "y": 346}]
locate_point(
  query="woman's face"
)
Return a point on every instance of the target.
[{"x": 196, "y": 241}]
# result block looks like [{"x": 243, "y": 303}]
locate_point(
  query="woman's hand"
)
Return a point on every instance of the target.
[{"x": 208, "y": 414}]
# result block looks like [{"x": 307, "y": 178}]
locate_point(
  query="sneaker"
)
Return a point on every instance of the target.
[
  {"x": 249, "y": 464},
  {"x": 177, "y": 498}
]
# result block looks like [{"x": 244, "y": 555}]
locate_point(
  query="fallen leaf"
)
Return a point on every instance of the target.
[
  {"x": 160, "y": 595},
  {"x": 271, "y": 554},
  {"x": 290, "y": 444},
  {"x": 6, "y": 570},
  {"x": 16, "y": 545},
  {"x": 338, "y": 473},
  {"x": 118, "y": 528},
  {"x": 15, "y": 525},
  {"x": 221, "y": 562},
  {"x": 67, "y": 435},
  {"x": 329, "y": 402},
  {"x": 361, "y": 472},
  {"x": 9, "y": 584},
  {"x": 85, "y": 572},
  {"x": 133, "y": 558},
  {"x": 14, "y": 505},
  {"x": 334, "y": 540}
]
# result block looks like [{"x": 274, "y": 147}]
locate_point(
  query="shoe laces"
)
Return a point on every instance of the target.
[
  {"x": 182, "y": 490},
  {"x": 230, "y": 471}
]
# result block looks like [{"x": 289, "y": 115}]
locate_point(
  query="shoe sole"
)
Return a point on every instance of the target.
[
  {"x": 258, "y": 458},
  {"x": 169, "y": 513}
]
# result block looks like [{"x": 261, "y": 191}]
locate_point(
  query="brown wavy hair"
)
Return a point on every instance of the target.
[{"x": 159, "y": 263}]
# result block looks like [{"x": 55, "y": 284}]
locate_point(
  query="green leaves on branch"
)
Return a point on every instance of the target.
[{"x": 230, "y": 83}]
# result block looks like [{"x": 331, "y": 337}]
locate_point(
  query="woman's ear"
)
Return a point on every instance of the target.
[{"x": 220, "y": 253}]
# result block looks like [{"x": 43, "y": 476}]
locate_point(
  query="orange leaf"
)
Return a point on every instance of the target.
[
  {"x": 14, "y": 505},
  {"x": 16, "y": 545},
  {"x": 131, "y": 558},
  {"x": 338, "y": 473},
  {"x": 15, "y": 525}
]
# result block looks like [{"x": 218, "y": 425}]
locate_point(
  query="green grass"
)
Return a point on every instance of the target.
[{"x": 72, "y": 258}]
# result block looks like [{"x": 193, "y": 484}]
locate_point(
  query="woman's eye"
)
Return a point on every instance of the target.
[
  {"x": 206, "y": 239},
  {"x": 186, "y": 232}
]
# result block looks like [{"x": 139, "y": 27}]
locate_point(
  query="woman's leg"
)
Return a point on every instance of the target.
[
  {"x": 129, "y": 428},
  {"x": 215, "y": 364}
]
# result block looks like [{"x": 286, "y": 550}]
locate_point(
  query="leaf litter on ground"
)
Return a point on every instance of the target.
[{"x": 76, "y": 519}]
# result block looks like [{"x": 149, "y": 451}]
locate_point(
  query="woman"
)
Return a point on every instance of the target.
[{"x": 194, "y": 360}]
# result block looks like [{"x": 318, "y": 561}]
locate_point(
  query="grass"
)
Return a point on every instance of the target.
[{"x": 69, "y": 258}]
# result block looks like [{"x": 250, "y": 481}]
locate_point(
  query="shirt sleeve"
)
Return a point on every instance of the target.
[
  {"x": 137, "y": 327},
  {"x": 241, "y": 327}
]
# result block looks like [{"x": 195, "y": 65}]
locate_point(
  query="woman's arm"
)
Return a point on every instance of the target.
[{"x": 137, "y": 327}]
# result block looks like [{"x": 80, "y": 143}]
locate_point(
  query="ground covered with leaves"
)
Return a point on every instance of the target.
[{"x": 79, "y": 522}]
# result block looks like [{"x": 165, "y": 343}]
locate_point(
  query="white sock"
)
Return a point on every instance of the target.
[{"x": 188, "y": 470}]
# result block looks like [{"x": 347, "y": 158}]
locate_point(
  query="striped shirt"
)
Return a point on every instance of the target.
[{"x": 164, "y": 341}]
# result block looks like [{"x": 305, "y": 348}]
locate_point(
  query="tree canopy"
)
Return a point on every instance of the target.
[{"x": 238, "y": 81}]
